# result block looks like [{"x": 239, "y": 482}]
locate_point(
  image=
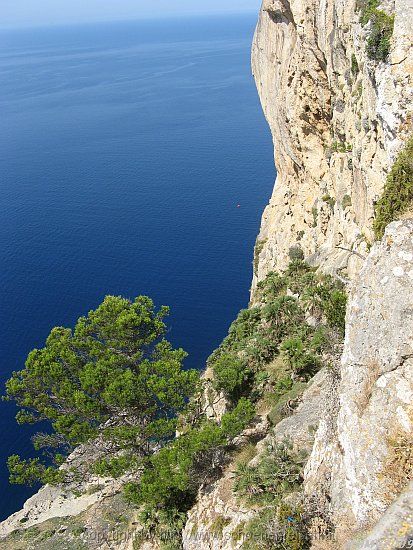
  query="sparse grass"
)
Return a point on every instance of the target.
[
  {"x": 246, "y": 454},
  {"x": 277, "y": 528},
  {"x": 366, "y": 391},
  {"x": 78, "y": 530},
  {"x": 259, "y": 246},
  {"x": 238, "y": 532},
  {"x": 218, "y": 525},
  {"x": 286, "y": 403},
  {"x": 398, "y": 469}
]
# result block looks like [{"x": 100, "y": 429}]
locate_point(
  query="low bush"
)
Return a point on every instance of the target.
[
  {"x": 296, "y": 253},
  {"x": 397, "y": 195},
  {"x": 302, "y": 361},
  {"x": 354, "y": 65},
  {"x": 277, "y": 528},
  {"x": 232, "y": 375},
  {"x": 163, "y": 525},
  {"x": 173, "y": 475},
  {"x": 278, "y": 473},
  {"x": 381, "y": 29},
  {"x": 346, "y": 202}
]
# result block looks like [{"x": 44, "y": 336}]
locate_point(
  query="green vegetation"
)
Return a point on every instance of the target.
[
  {"x": 314, "y": 212},
  {"x": 278, "y": 473},
  {"x": 259, "y": 246},
  {"x": 115, "y": 380},
  {"x": 346, "y": 202},
  {"x": 163, "y": 525},
  {"x": 397, "y": 196},
  {"x": 284, "y": 302},
  {"x": 285, "y": 402},
  {"x": 354, "y": 65},
  {"x": 381, "y": 29},
  {"x": 296, "y": 253},
  {"x": 276, "y": 528},
  {"x": 169, "y": 484},
  {"x": 278, "y": 326},
  {"x": 329, "y": 200},
  {"x": 114, "y": 376},
  {"x": 341, "y": 147},
  {"x": 218, "y": 525}
]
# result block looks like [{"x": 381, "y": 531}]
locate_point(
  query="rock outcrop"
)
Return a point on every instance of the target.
[
  {"x": 337, "y": 120},
  {"x": 363, "y": 454}
]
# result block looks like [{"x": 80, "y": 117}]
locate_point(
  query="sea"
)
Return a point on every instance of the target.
[{"x": 134, "y": 159}]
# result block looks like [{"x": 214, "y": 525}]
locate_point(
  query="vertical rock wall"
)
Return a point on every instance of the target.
[{"x": 337, "y": 119}]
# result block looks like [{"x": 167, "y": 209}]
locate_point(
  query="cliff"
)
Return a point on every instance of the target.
[
  {"x": 328, "y": 462},
  {"x": 337, "y": 118}
]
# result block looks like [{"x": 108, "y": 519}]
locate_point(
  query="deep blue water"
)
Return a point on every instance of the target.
[{"x": 125, "y": 150}]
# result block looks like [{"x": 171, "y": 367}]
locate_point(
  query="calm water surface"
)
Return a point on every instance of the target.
[{"x": 125, "y": 150}]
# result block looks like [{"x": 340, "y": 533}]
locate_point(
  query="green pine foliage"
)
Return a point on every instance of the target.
[
  {"x": 397, "y": 196},
  {"x": 173, "y": 475},
  {"x": 113, "y": 376}
]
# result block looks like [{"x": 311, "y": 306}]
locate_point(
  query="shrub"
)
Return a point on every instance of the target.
[
  {"x": 285, "y": 402},
  {"x": 346, "y": 202},
  {"x": 272, "y": 286},
  {"x": 378, "y": 43},
  {"x": 303, "y": 362},
  {"x": 277, "y": 528},
  {"x": 173, "y": 475},
  {"x": 296, "y": 253},
  {"x": 334, "y": 303},
  {"x": 314, "y": 212},
  {"x": 354, "y": 65},
  {"x": 278, "y": 473},
  {"x": 398, "y": 191},
  {"x": 329, "y": 200},
  {"x": 381, "y": 30},
  {"x": 232, "y": 375},
  {"x": 163, "y": 525},
  {"x": 341, "y": 147}
]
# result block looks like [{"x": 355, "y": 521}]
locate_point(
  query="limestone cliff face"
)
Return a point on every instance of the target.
[
  {"x": 337, "y": 120},
  {"x": 362, "y": 455}
]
